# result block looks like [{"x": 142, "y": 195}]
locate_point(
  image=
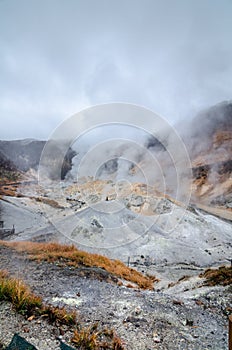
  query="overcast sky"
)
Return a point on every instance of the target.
[{"x": 58, "y": 56}]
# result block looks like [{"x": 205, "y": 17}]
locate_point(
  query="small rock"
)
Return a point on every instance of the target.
[
  {"x": 156, "y": 338},
  {"x": 177, "y": 302},
  {"x": 61, "y": 331},
  {"x": 137, "y": 311},
  {"x": 31, "y": 318},
  {"x": 199, "y": 302},
  {"x": 189, "y": 322}
]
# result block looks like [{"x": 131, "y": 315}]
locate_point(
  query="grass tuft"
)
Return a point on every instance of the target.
[
  {"x": 27, "y": 303},
  {"x": 221, "y": 276},
  {"x": 16, "y": 292},
  {"x": 91, "y": 338},
  {"x": 59, "y": 315}
]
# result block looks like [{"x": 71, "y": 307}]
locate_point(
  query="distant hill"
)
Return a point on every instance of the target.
[
  {"x": 210, "y": 147},
  {"x": 208, "y": 138},
  {"x": 24, "y": 155},
  {"x": 8, "y": 171}
]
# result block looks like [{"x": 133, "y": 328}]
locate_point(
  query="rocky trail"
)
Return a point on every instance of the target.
[{"x": 190, "y": 320}]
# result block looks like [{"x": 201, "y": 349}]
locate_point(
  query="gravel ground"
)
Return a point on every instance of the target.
[
  {"x": 39, "y": 333},
  {"x": 142, "y": 319}
]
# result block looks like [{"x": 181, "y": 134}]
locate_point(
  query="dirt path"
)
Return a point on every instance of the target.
[{"x": 143, "y": 319}]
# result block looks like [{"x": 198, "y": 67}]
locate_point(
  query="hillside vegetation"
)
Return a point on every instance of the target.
[{"x": 71, "y": 256}]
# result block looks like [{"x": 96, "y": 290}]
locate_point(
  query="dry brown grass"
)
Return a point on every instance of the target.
[
  {"x": 59, "y": 315},
  {"x": 180, "y": 280},
  {"x": 221, "y": 276},
  {"x": 27, "y": 303},
  {"x": 70, "y": 255},
  {"x": 48, "y": 201},
  {"x": 16, "y": 292},
  {"x": 93, "y": 339}
]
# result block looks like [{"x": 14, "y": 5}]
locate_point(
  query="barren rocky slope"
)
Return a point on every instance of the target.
[
  {"x": 135, "y": 224},
  {"x": 24, "y": 155},
  {"x": 187, "y": 319},
  {"x": 138, "y": 224},
  {"x": 210, "y": 147}
]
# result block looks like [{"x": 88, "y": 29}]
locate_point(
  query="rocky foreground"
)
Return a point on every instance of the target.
[
  {"x": 130, "y": 221},
  {"x": 184, "y": 316}
]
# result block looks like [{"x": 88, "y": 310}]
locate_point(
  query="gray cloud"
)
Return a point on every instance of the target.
[{"x": 56, "y": 57}]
